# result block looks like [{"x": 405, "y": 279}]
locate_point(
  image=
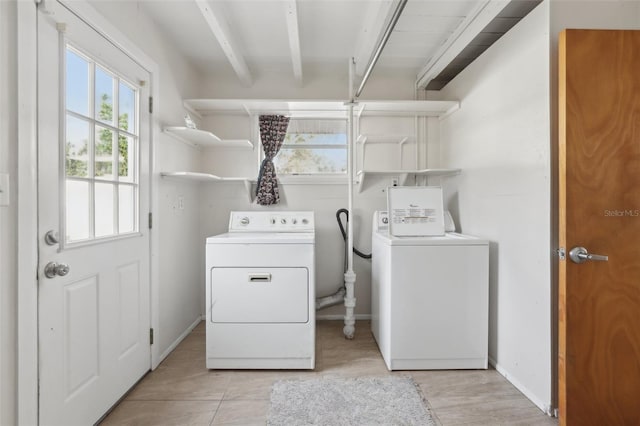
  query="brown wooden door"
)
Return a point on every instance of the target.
[{"x": 599, "y": 203}]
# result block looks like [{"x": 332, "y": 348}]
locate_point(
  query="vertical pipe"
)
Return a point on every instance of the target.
[{"x": 349, "y": 275}]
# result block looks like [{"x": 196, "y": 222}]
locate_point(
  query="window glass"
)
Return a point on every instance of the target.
[
  {"x": 77, "y": 147},
  {"x": 77, "y": 83},
  {"x": 101, "y": 146},
  {"x": 77, "y": 207},
  {"x": 104, "y": 153},
  {"x": 127, "y": 209},
  {"x": 126, "y": 108},
  {"x": 313, "y": 146},
  {"x": 104, "y": 209},
  {"x": 104, "y": 96}
]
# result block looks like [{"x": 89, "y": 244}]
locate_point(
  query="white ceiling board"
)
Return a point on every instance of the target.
[
  {"x": 427, "y": 24},
  {"x": 183, "y": 23},
  {"x": 446, "y": 8},
  {"x": 260, "y": 27},
  {"x": 329, "y": 29},
  {"x": 329, "y": 32},
  {"x": 214, "y": 15},
  {"x": 294, "y": 39}
]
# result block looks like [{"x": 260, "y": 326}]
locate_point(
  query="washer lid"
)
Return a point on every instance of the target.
[
  {"x": 263, "y": 238},
  {"x": 449, "y": 239}
]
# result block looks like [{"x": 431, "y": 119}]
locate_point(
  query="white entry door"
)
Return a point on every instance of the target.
[{"x": 93, "y": 202}]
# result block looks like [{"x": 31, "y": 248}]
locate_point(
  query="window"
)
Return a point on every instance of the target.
[
  {"x": 101, "y": 144},
  {"x": 312, "y": 147}
]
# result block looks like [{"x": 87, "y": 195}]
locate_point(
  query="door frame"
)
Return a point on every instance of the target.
[{"x": 27, "y": 177}]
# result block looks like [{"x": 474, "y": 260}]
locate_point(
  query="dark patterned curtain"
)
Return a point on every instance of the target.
[{"x": 273, "y": 129}]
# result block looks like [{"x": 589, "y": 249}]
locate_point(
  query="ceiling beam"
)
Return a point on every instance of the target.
[
  {"x": 375, "y": 22},
  {"x": 220, "y": 29},
  {"x": 294, "y": 39},
  {"x": 470, "y": 27}
]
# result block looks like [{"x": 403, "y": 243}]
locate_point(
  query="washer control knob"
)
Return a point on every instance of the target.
[
  {"x": 273, "y": 221},
  {"x": 244, "y": 221},
  {"x": 294, "y": 221},
  {"x": 283, "y": 221},
  {"x": 305, "y": 221}
]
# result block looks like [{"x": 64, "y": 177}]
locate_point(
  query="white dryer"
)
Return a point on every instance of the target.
[
  {"x": 430, "y": 300},
  {"x": 260, "y": 292}
]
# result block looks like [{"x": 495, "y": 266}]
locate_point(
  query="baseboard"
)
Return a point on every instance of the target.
[
  {"x": 340, "y": 317},
  {"x": 544, "y": 406},
  {"x": 180, "y": 338}
]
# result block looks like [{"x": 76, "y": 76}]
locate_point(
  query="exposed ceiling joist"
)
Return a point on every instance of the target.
[
  {"x": 220, "y": 29},
  {"x": 374, "y": 25},
  {"x": 472, "y": 25},
  {"x": 294, "y": 39}
]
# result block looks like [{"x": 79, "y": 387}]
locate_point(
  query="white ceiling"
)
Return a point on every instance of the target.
[{"x": 257, "y": 33}]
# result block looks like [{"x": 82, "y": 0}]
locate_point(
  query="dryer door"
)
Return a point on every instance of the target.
[{"x": 259, "y": 295}]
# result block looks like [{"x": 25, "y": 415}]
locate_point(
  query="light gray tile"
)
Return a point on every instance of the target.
[
  {"x": 244, "y": 413},
  {"x": 156, "y": 413}
]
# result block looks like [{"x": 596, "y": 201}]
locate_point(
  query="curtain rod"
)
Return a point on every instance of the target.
[{"x": 381, "y": 44}]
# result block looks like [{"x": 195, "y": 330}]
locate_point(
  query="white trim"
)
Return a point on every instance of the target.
[
  {"x": 546, "y": 407},
  {"x": 340, "y": 317},
  {"x": 179, "y": 339},
  {"x": 27, "y": 392}
]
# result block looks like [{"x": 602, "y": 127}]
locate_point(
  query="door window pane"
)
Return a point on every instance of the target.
[
  {"x": 104, "y": 153},
  {"x": 126, "y": 158},
  {"x": 77, "y": 83},
  {"x": 77, "y": 207},
  {"x": 77, "y": 147},
  {"x": 127, "y": 108},
  {"x": 127, "y": 211},
  {"x": 104, "y": 96},
  {"x": 104, "y": 209}
]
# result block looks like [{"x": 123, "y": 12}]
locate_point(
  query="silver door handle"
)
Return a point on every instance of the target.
[
  {"x": 52, "y": 269},
  {"x": 581, "y": 255}
]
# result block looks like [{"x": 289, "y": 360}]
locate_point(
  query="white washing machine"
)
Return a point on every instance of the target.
[
  {"x": 430, "y": 300},
  {"x": 260, "y": 290}
]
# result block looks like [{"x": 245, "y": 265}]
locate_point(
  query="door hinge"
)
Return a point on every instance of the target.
[
  {"x": 151, "y": 336},
  {"x": 562, "y": 254},
  {"x": 150, "y": 104},
  {"x": 150, "y": 220}
]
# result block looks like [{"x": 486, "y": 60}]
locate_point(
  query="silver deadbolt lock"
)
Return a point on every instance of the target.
[
  {"x": 581, "y": 255},
  {"x": 51, "y": 238},
  {"x": 53, "y": 269}
]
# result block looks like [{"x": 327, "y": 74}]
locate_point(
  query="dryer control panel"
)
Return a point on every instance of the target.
[{"x": 272, "y": 221}]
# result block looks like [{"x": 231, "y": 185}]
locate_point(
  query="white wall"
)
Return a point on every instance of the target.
[
  {"x": 176, "y": 231},
  {"x": 8, "y": 218},
  {"x": 500, "y": 138}
]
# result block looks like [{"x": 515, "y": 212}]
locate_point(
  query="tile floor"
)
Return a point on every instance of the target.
[{"x": 181, "y": 391}]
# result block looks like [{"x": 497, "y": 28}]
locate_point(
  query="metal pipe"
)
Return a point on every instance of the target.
[{"x": 381, "y": 44}]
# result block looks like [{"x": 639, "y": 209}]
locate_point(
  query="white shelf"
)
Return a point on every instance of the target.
[
  {"x": 320, "y": 108},
  {"x": 203, "y": 138},
  {"x": 375, "y": 139},
  {"x": 403, "y": 175},
  {"x": 209, "y": 178}
]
